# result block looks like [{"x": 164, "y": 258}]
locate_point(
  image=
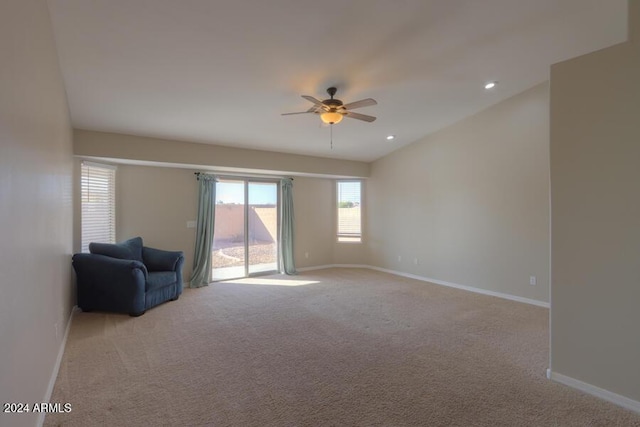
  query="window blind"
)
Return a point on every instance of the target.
[
  {"x": 349, "y": 211},
  {"x": 98, "y": 203}
]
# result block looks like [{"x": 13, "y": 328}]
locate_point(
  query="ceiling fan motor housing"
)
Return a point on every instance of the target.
[{"x": 333, "y": 104}]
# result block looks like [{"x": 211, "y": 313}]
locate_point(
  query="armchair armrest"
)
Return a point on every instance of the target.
[
  {"x": 102, "y": 265},
  {"x": 160, "y": 260},
  {"x": 110, "y": 283}
]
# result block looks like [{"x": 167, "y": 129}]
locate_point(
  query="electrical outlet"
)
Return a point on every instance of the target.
[
  {"x": 532, "y": 280},
  {"x": 399, "y": 258},
  {"x": 306, "y": 254},
  {"x": 191, "y": 224},
  {"x": 415, "y": 261}
]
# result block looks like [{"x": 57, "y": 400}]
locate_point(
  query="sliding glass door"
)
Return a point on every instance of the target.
[
  {"x": 262, "y": 227},
  {"x": 229, "y": 250},
  {"x": 245, "y": 239}
]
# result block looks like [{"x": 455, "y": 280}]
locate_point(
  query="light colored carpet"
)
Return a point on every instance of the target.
[{"x": 337, "y": 347}]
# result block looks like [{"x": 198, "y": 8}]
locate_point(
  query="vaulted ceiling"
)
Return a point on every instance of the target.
[{"x": 222, "y": 71}]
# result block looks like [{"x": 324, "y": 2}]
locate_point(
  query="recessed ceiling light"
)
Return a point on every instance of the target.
[
  {"x": 490, "y": 85},
  {"x": 390, "y": 137}
]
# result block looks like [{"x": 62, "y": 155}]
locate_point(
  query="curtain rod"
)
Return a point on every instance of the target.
[{"x": 197, "y": 174}]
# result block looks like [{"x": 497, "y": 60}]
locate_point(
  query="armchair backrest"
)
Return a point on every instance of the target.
[{"x": 129, "y": 249}]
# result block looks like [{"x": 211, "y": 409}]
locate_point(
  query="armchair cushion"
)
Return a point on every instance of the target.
[
  {"x": 129, "y": 249},
  {"x": 160, "y": 279}
]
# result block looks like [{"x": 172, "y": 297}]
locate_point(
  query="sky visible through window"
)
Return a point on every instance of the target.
[{"x": 259, "y": 193}]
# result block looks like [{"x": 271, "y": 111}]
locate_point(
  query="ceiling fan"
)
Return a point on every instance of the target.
[{"x": 332, "y": 110}]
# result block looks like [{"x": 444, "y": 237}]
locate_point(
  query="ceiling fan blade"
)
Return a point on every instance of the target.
[
  {"x": 359, "y": 104},
  {"x": 299, "y": 112},
  {"x": 363, "y": 117},
  {"x": 312, "y": 99}
]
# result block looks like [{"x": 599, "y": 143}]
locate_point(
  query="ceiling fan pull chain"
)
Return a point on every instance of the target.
[{"x": 331, "y": 131}]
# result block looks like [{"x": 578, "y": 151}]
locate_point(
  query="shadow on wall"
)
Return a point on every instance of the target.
[{"x": 263, "y": 223}]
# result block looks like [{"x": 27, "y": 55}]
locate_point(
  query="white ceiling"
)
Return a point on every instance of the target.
[{"x": 222, "y": 71}]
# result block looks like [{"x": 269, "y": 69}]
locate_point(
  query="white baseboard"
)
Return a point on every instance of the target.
[
  {"x": 465, "y": 288},
  {"x": 435, "y": 281},
  {"x": 601, "y": 393},
  {"x": 316, "y": 267},
  {"x": 56, "y": 367},
  {"x": 322, "y": 267}
]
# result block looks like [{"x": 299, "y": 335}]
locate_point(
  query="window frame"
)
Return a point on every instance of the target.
[{"x": 338, "y": 235}]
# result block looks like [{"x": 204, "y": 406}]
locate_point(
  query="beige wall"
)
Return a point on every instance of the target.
[
  {"x": 595, "y": 183},
  {"x": 471, "y": 202},
  {"x": 35, "y": 206},
  {"x": 313, "y": 210},
  {"x": 315, "y": 228},
  {"x": 178, "y": 153},
  {"x": 157, "y": 202}
]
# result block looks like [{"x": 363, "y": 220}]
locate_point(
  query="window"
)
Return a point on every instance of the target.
[
  {"x": 98, "y": 204},
  {"x": 349, "y": 211}
]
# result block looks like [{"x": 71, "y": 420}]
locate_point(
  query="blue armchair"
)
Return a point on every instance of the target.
[{"x": 127, "y": 277}]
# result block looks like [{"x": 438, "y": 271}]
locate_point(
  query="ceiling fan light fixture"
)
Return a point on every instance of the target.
[{"x": 331, "y": 117}]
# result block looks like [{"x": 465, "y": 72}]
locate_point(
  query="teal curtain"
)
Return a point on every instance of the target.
[
  {"x": 287, "y": 264},
  {"x": 201, "y": 275}
]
